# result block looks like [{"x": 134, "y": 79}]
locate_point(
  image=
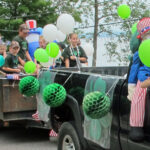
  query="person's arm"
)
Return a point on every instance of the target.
[
  {"x": 4, "y": 54},
  {"x": 83, "y": 59},
  {"x": 2, "y": 73},
  {"x": 145, "y": 83},
  {"x": 28, "y": 56},
  {"x": 22, "y": 62},
  {"x": 7, "y": 69},
  {"x": 73, "y": 57},
  {"x": 67, "y": 64},
  {"x": 62, "y": 58}
]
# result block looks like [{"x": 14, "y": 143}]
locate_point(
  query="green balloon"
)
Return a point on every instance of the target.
[
  {"x": 29, "y": 86},
  {"x": 54, "y": 95},
  {"x": 41, "y": 55},
  {"x": 96, "y": 105},
  {"x": 124, "y": 11},
  {"x": 30, "y": 67},
  {"x": 134, "y": 28},
  {"x": 144, "y": 52},
  {"x": 52, "y": 49},
  {"x": 134, "y": 42}
]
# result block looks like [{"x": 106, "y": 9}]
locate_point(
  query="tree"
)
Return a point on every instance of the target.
[
  {"x": 139, "y": 10},
  {"x": 13, "y": 13},
  {"x": 106, "y": 20}
]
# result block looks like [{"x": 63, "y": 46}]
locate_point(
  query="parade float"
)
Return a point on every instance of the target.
[{"x": 88, "y": 106}]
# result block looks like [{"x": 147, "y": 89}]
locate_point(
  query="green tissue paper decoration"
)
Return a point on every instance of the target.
[
  {"x": 54, "y": 95},
  {"x": 29, "y": 86},
  {"x": 96, "y": 105}
]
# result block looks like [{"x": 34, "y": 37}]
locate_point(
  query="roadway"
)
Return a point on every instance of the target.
[{"x": 26, "y": 139}]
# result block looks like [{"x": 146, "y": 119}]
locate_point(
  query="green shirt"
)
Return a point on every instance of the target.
[
  {"x": 23, "y": 46},
  {"x": 11, "y": 61},
  {"x": 78, "y": 52}
]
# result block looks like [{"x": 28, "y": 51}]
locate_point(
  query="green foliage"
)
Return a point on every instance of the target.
[
  {"x": 119, "y": 48},
  {"x": 13, "y": 13},
  {"x": 113, "y": 24}
]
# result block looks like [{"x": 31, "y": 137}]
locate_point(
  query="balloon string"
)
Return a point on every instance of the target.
[
  {"x": 67, "y": 79},
  {"x": 128, "y": 24},
  {"x": 111, "y": 87}
]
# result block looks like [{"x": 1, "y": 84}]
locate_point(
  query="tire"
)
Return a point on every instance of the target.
[{"x": 68, "y": 138}]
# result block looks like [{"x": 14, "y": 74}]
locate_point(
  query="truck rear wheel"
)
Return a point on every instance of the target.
[{"x": 68, "y": 138}]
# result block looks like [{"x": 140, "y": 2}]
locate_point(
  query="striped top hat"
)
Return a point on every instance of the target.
[
  {"x": 143, "y": 27},
  {"x": 31, "y": 24}
]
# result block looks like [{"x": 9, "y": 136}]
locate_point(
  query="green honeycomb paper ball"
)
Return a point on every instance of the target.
[
  {"x": 29, "y": 86},
  {"x": 54, "y": 95},
  {"x": 96, "y": 105}
]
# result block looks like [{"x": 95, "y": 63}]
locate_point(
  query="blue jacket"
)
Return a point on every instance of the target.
[
  {"x": 144, "y": 73},
  {"x": 133, "y": 76}
]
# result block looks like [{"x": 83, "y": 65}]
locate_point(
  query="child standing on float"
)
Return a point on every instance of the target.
[{"x": 74, "y": 54}]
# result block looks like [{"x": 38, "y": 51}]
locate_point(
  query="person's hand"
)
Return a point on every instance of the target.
[
  {"x": 73, "y": 57},
  {"x": 17, "y": 70},
  {"x": 20, "y": 67},
  {"x": 62, "y": 58}
]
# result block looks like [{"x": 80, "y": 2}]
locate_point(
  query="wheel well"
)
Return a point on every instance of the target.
[{"x": 59, "y": 115}]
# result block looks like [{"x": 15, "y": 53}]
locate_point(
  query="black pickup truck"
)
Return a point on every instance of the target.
[{"x": 76, "y": 130}]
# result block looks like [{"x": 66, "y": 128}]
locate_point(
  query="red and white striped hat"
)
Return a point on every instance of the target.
[
  {"x": 143, "y": 26},
  {"x": 31, "y": 24}
]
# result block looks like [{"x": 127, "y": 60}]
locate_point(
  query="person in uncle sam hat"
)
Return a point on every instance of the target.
[{"x": 140, "y": 73}]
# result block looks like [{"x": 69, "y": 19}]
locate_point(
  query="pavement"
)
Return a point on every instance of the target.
[{"x": 26, "y": 139}]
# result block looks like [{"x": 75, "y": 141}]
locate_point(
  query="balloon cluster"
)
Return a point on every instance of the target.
[
  {"x": 96, "y": 105},
  {"x": 54, "y": 95},
  {"x": 65, "y": 26},
  {"x": 53, "y": 33},
  {"x": 29, "y": 86}
]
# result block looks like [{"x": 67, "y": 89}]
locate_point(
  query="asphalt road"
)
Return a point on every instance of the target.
[{"x": 26, "y": 139}]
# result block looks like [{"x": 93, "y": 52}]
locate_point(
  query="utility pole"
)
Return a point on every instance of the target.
[{"x": 95, "y": 33}]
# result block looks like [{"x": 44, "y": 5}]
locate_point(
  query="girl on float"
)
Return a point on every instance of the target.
[{"x": 74, "y": 55}]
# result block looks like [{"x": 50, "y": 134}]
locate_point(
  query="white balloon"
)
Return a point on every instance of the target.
[
  {"x": 50, "y": 32},
  {"x": 65, "y": 23},
  {"x": 60, "y": 36},
  {"x": 47, "y": 64},
  {"x": 88, "y": 48}
]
